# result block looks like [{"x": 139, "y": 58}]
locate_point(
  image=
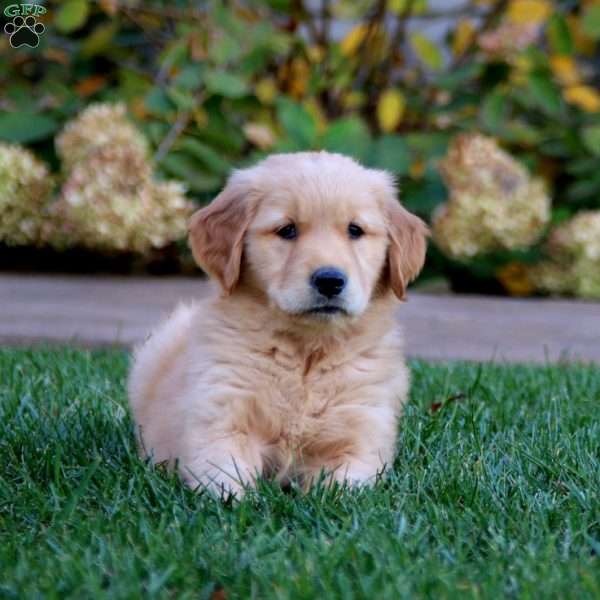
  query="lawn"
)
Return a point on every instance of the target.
[{"x": 495, "y": 492}]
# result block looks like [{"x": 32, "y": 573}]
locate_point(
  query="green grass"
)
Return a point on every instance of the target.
[{"x": 495, "y": 494}]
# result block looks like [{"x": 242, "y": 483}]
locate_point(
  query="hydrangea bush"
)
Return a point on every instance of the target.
[
  {"x": 572, "y": 264},
  {"x": 109, "y": 200},
  {"x": 493, "y": 202},
  {"x": 100, "y": 126},
  {"x": 25, "y": 188}
]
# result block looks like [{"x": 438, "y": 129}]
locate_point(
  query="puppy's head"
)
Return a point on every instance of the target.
[{"x": 316, "y": 232}]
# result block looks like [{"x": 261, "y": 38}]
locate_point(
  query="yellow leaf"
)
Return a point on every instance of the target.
[
  {"x": 353, "y": 99},
  {"x": 390, "y": 109},
  {"x": 427, "y": 51},
  {"x": 529, "y": 11},
  {"x": 463, "y": 36},
  {"x": 514, "y": 276},
  {"x": 90, "y": 85},
  {"x": 414, "y": 7},
  {"x": 583, "y": 43},
  {"x": 316, "y": 54},
  {"x": 564, "y": 69},
  {"x": 315, "y": 110},
  {"x": 417, "y": 169},
  {"x": 353, "y": 39},
  {"x": 266, "y": 90},
  {"x": 200, "y": 117},
  {"x": 522, "y": 66},
  {"x": 299, "y": 73},
  {"x": 138, "y": 109},
  {"x": 583, "y": 96}
]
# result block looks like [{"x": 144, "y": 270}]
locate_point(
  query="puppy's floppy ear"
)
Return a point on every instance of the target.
[
  {"x": 408, "y": 245},
  {"x": 217, "y": 234}
]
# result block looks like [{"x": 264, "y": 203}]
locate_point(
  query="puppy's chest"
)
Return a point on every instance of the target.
[{"x": 301, "y": 392}]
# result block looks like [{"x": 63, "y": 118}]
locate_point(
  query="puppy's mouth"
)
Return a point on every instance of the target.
[{"x": 327, "y": 309}]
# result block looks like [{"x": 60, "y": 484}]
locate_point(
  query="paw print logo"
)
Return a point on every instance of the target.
[{"x": 24, "y": 31}]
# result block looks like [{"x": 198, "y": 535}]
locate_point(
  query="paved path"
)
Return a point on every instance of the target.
[{"x": 94, "y": 311}]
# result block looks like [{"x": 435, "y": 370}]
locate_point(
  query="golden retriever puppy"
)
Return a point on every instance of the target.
[{"x": 296, "y": 366}]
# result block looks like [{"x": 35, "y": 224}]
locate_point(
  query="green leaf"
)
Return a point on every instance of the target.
[
  {"x": 408, "y": 7},
  {"x": 297, "y": 123},
  {"x": 205, "y": 154},
  {"x": 493, "y": 110},
  {"x": 25, "y": 127},
  {"x": 155, "y": 130},
  {"x": 174, "y": 55},
  {"x": 560, "y": 214},
  {"x": 220, "y": 132},
  {"x": 584, "y": 190},
  {"x": 545, "y": 94},
  {"x": 390, "y": 152},
  {"x": 350, "y": 9},
  {"x": 183, "y": 99},
  {"x": 424, "y": 195},
  {"x": 226, "y": 84},
  {"x": 427, "y": 51},
  {"x": 71, "y": 15},
  {"x": 184, "y": 167},
  {"x": 349, "y": 136},
  {"x": 100, "y": 40},
  {"x": 157, "y": 101},
  {"x": 458, "y": 78},
  {"x": 559, "y": 35},
  {"x": 190, "y": 77},
  {"x": 555, "y": 147},
  {"x": 225, "y": 49},
  {"x": 428, "y": 146},
  {"x": 281, "y": 5},
  {"x": 590, "y": 21},
  {"x": 582, "y": 166},
  {"x": 591, "y": 138}
]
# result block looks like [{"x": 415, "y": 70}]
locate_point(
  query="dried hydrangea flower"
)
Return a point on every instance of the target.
[
  {"x": 573, "y": 258},
  {"x": 110, "y": 202},
  {"x": 99, "y": 125},
  {"x": 493, "y": 202},
  {"x": 25, "y": 187}
]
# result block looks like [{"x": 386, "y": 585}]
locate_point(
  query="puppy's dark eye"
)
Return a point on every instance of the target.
[
  {"x": 288, "y": 232},
  {"x": 354, "y": 231}
]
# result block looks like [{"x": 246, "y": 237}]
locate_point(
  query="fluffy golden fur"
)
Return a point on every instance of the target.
[{"x": 269, "y": 377}]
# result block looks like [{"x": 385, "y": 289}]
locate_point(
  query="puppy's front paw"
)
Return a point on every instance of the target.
[
  {"x": 222, "y": 479},
  {"x": 220, "y": 486},
  {"x": 355, "y": 474}
]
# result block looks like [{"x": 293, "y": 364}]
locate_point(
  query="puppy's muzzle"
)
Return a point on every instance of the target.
[{"x": 328, "y": 281}]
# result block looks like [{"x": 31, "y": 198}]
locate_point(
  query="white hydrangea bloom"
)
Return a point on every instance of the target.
[
  {"x": 25, "y": 187},
  {"x": 99, "y": 125},
  {"x": 493, "y": 202},
  {"x": 110, "y": 201},
  {"x": 573, "y": 258}
]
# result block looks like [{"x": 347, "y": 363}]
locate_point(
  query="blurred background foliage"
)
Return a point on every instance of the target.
[{"x": 216, "y": 85}]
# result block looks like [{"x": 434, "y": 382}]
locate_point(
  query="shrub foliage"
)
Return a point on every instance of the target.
[{"x": 390, "y": 82}]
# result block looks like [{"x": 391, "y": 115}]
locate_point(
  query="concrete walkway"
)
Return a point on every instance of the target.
[{"x": 96, "y": 311}]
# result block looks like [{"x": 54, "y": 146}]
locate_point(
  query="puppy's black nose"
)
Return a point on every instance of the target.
[{"x": 328, "y": 281}]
